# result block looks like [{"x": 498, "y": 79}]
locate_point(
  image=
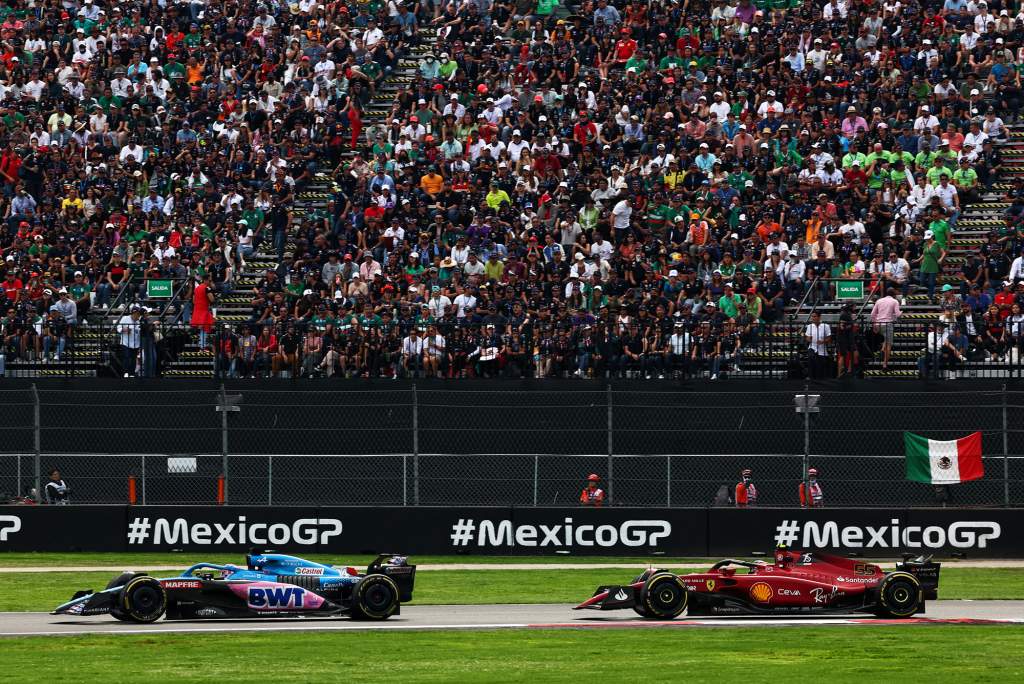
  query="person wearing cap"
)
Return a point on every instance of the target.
[
  {"x": 745, "y": 491},
  {"x": 930, "y": 263},
  {"x": 965, "y": 178},
  {"x": 592, "y": 495},
  {"x": 810, "y": 492}
]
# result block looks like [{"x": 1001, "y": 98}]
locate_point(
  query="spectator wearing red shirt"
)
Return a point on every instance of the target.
[
  {"x": 1005, "y": 299},
  {"x": 624, "y": 47},
  {"x": 585, "y": 131},
  {"x": 855, "y": 176},
  {"x": 12, "y": 284}
]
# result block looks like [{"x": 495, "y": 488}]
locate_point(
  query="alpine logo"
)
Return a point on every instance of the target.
[
  {"x": 973, "y": 534},
  {"x": 182, "y": 584},
  {"x": 9, "y": 524},
  {"x": 276, "y": 597}
]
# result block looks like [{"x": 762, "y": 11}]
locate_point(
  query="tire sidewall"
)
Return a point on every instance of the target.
[
  {"x": 359, "y": 608},
  {"x": 125, "y": 600},
  {"x": 886, "y": 602},
  {"x": 651, "y": 607}
]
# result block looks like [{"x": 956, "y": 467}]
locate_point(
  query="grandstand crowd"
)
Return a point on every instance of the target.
[{"x": 608, "y": 187}]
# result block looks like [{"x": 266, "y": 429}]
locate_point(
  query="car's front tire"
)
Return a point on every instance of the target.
[
  {"x": 143, "y": 599},
  {"x": 663, "y": 597},
  {"x": 376, "y": 597},
  {"x": 899, "y": 595}
]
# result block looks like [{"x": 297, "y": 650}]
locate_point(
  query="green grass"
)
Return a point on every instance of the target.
[
  {"x": 932, "y": 653},
  {"x": 133, "y": 560},
  {"x": 44, "y": 591}
]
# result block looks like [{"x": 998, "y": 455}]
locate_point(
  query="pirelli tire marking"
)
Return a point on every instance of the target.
[
  {"x": 376, "y": 598},
  {"x": 903, "y": 601},
  {"x": 663, "y": 596}
]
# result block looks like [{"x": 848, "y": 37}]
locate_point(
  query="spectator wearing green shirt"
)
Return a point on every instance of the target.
[
  {"x": 546, "y": 7},
  {"x": 729, "y": 302},
  {"x": 496, "y": 197},
  {"x": 937, "y": 171},
  {"x": 966, "y": 181},
  {"x": 80, "y": 290},
  {"x": 930, "y": 262},
  {"x": 493, "y": 268}
]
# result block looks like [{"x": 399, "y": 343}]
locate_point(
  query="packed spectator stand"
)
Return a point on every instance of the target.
[{"x": 522, "y": 189}]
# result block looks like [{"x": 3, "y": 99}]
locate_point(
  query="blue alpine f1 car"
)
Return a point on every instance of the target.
[{"x": 271, "y": 585}]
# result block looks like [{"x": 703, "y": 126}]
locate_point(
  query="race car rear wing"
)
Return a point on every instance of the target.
[
  {"x": 925, "y": 570},
  {"x": 398, "y": 569}
]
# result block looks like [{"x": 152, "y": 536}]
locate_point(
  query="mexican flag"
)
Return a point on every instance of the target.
[{"x": 934, "y": 462}]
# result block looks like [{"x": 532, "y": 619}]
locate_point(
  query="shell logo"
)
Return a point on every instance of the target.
[{"x": 761, "y": 592}]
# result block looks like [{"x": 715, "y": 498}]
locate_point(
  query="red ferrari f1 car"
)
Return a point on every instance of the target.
[{"x": 796, "y": 583}]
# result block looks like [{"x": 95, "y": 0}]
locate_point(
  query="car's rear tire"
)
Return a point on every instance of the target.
[
  {"x": 376, "y": 597},
  {"x": 663, "y": 597},
  {"x": 143, "y": 599},
  {"x": 899, "y": 595}
]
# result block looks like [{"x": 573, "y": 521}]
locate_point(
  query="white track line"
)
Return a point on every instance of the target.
[{"x": 617, "y": 624}]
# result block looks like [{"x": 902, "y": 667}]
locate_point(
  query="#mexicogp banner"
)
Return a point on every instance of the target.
[{"x": 934, "y": 462}]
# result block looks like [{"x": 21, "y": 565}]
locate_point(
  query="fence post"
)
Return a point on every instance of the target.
[
  {"x": 415, "y": 447},
  {"x": 224, "y": 438},
  {"x": 37, "y": 440},
  {"x": 143, "y": 479},
  {"x": 668, "y": 480},
  {"x": 1006, "y": 454},
  {"x": 610, "y": 445},
  {"x": 536, "y": 473}
]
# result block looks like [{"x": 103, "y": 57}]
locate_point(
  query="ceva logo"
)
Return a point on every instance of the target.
[{"x": 276, "y": 597}]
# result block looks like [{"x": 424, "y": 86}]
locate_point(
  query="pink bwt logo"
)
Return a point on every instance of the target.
[{"x": 272, "y": 596}]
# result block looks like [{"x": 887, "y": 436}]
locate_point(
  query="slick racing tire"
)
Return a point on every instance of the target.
[
  {"x": 143, "y": 599},
  {"x": 375, "y": 598},
  {"x": 663, "y": 597},
  {"x": 899, "y": 595}
]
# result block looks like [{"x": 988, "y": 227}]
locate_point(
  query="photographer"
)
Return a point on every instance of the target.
[{"x": 56, "y": 490}]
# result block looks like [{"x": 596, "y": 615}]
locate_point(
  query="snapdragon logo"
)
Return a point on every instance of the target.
[
  {"x": 176, "y": 531},
  {"x": 634, "y": 533},
  {"x": 960, "y": 535}
]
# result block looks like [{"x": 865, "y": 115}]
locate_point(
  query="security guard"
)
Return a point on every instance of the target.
[
  {"x": 816, "y": 499},
  {"x": 746, "y": 492},
  {"x": 592, "y": 495}
]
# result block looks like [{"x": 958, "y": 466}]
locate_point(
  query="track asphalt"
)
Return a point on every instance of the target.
[
  {"x": 494, "y": 566},
  {"x": 492, "y": 617}
]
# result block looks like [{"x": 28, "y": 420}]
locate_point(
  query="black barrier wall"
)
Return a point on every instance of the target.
[{"x": 977, "y": 533}]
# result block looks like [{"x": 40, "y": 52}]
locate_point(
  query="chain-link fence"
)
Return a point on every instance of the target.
[{"x": 436, "y": 444}]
